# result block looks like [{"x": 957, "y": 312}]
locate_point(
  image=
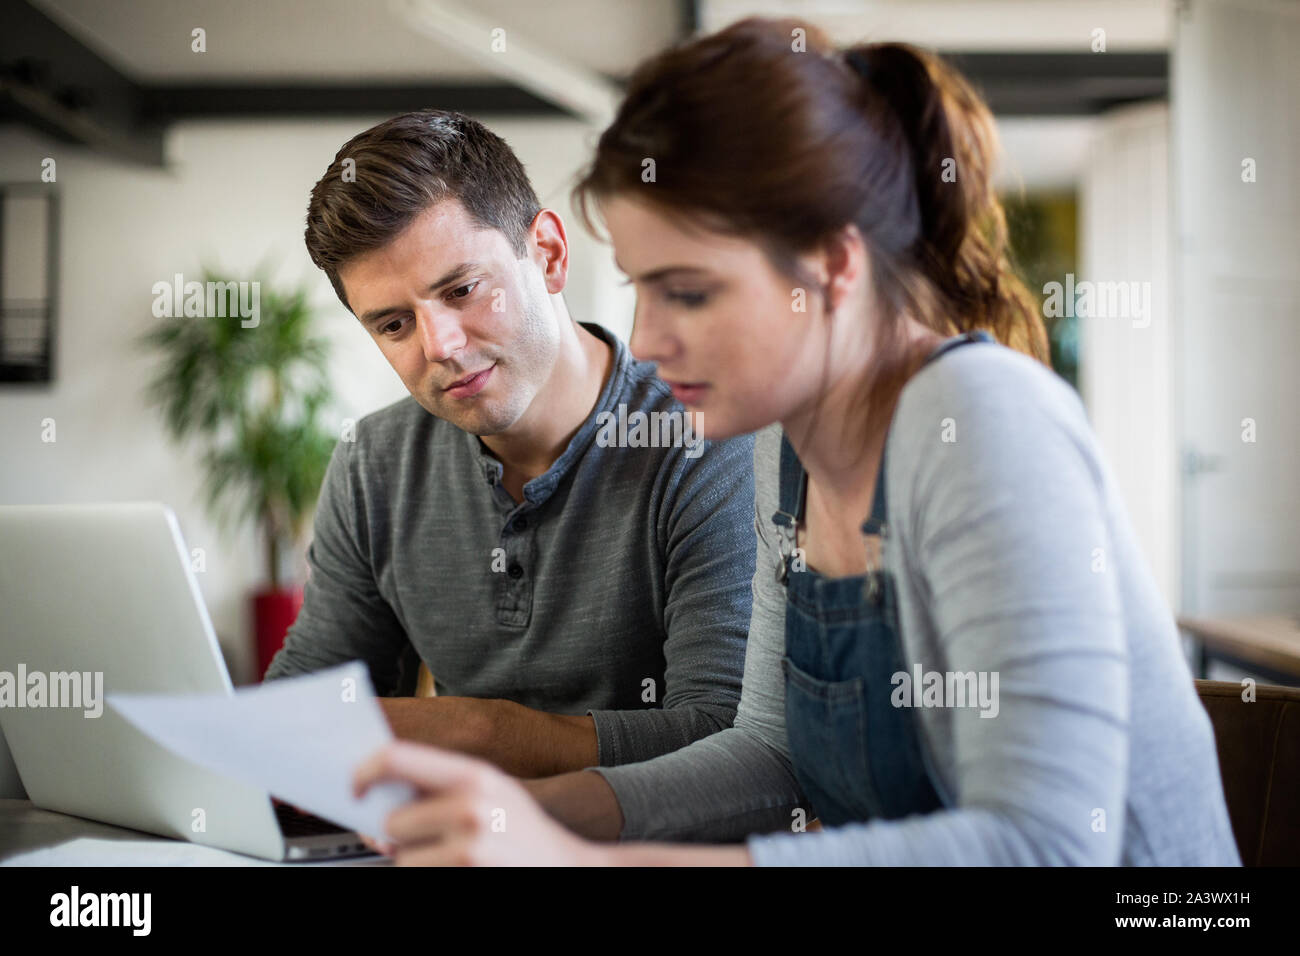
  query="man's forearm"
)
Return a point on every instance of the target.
[
  {"x": 586, "y": 804},
  {"x": 583, "y": 801},
  {"x": 521, "y": 741}
]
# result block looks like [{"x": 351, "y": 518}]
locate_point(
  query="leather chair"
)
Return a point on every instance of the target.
[{"x": 1259, "y": 761}]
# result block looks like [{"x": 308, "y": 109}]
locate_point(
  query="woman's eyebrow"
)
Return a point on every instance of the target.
[{"x": 664, "y": 272}]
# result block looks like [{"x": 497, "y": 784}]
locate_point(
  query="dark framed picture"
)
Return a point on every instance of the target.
[{"x": 28, "y": 281}]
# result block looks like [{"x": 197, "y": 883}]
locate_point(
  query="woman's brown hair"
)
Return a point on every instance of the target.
[{"x": 767, "y": 130}]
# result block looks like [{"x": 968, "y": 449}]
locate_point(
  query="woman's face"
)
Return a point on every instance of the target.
[{"x": 740, "y": 344}]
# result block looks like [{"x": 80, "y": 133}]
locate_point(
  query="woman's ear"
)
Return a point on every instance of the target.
[{"x": 844, "y": 258}]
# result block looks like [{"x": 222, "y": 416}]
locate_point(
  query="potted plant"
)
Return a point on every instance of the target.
[{"x": 249, "y": 396}]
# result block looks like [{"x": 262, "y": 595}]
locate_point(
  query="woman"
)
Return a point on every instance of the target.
[{"x": 957, "y": 654}]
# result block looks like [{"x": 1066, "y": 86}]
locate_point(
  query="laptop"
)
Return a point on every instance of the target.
[{"x": 101, "y": 599}]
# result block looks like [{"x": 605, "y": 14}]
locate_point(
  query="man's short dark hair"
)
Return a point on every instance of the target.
[{"x": 384, "y": 178}]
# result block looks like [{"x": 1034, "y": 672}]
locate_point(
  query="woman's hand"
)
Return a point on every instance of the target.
[{"x": 469, "y": 814}]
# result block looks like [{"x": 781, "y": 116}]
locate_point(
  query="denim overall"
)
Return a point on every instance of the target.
[{"x": 856, "y": 756}]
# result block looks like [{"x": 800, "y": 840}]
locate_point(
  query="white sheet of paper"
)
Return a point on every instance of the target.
[{"x": 300, "y": 738}]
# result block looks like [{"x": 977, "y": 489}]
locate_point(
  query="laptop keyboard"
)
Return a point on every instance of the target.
[{"x": 294, "y": 823}]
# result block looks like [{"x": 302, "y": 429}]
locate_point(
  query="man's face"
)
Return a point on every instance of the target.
[{"x": 467, "y": 326}]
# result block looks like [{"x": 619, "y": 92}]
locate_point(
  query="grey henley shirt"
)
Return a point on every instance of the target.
[{"x": 619, "y": 587}]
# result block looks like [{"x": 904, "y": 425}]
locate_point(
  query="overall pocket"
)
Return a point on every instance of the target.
[{"x": 826, "y": 723}]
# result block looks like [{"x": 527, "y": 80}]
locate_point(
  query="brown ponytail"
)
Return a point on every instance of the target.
[
  {"x": 766, "y": 130},
  {"x": 962, "y": 244}
]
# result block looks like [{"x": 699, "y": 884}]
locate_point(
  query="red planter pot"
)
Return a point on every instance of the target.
[{"x": 273, "y": 613}]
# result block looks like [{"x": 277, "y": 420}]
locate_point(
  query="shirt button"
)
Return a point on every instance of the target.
[
  {"x": 515, "y": 571},
  {"x": 520, "y": 524}
]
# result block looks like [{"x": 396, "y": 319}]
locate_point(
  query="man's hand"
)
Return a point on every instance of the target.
[{"x": 519, "y": 740}]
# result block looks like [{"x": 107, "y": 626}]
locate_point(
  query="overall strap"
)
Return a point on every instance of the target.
[
  {"x": 793, "y": 493},
  {"x": 875, "y": 524},
  {"x": 793, "y": 489},
  {"x": 794, "y": 480},
  {"x": 966, "y": 338}
]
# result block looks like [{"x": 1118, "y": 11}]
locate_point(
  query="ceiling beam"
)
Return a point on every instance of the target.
[
  {"x": 52, "y": 82},
  {"x": 1063, "y": 84},
  {"x": 582, "y": 92},
  {"x": 169, "y": 103}
]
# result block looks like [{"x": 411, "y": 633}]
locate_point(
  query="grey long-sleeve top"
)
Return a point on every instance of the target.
[{"x": 1011, "y": 552}]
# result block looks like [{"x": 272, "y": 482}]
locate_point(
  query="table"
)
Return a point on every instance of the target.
[
  {"x": 1267, "y": 645},
  {"x": 30, "y": 836}
]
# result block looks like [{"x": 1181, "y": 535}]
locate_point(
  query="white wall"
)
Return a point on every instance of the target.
[
  {"x": 1235, "y": 80},
  {"x": 1126, "y": 363},
  {"x": 233, "y": 194}
]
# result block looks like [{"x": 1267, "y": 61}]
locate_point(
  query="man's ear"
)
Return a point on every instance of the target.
[{"x": 548, "y": 245}]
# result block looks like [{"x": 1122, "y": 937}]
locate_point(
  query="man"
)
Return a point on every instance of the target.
[{"x": 577, "y": 603}]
